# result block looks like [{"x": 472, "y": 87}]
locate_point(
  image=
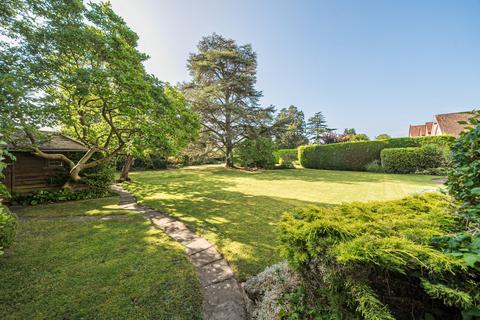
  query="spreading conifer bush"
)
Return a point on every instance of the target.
[
  {"x": 357, "y": 155},
  {"x": 382, "y": 260}
]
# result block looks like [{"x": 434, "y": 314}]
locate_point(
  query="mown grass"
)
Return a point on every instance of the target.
[
  {"x": 239, "y": 210},
  {"x": 95, "y": 269}
]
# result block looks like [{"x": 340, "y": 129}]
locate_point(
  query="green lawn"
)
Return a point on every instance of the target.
[
  {"x": 96, "y": 269},
  {"x": 239, "y": 210}
]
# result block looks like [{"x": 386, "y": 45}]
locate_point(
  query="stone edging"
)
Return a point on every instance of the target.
[{"x": 223, "y": 297}]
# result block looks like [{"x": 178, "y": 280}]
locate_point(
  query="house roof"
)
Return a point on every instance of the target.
[
  {"x": 49, "y": 141},
  {"x": 448, "y": 122},
  {"x": 429, "y": 126},
  {"x": 417, "y": 130}
]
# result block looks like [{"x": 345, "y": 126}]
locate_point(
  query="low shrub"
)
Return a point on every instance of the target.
[
  {"x": 256, "y": 153},
  {"x": 47, "y": 196},
  {"x": 8, "y": 228},
  {"x": 292, "y": 153},
  {"x": 99, "y": 178},
  {"x": 411, "y": 160},
  {"x": 374, "y": 166},
  {"x": 381, "y": 260},
  {"x": 357, "y": 155}
]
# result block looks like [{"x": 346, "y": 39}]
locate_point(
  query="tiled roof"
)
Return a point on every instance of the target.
[
  {"x": 448, "y": 122},
  {"x": 49, "y": 142},
  {"x": 417, "y": 130},
  {"x": 429, "y": 126}
]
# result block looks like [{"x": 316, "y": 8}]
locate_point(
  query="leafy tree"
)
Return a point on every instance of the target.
[
  {"x": 223, "y": 91},
  {"x": 382, "y": 136},
  {"x": 290, "y": 128},
  {"x": 79, "y": 70},
  {"x": 358, "y": 137},
  {"x": 316, "y": 127},
  {"x": 332, "y": 137},
  {"x": 349, "y": 131}
]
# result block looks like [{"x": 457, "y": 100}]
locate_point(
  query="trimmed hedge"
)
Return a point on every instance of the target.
[
  {"x": 411, "y": 160},
  {"x": 357, "y": 155},
  {"x": 381, "y": 260},
  {"x": 293, "y": 153}
]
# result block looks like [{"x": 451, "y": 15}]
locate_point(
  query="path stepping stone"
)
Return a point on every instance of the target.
[{"x": 223, "y": 297}]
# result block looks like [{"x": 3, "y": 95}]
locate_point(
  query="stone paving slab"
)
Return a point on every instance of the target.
[
  {"x": 224, "y": 301},
  {"x": 214, "y": 272},
  {"x": 197, "y": 246},
  {"x": 222, "y": 295},
  {"x": 205, "y": 257}
]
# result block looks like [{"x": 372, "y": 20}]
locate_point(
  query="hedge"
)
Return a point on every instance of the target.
[
  {"x": 293, "y": 153},
  {"x": 357, "y": 155},
  {"x": 380, "y": 260},
  {"x": 411, "y": 160}
]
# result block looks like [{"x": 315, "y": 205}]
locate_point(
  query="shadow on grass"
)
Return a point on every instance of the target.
[
  {"x": 243, "y": 227},
  {"x": 97, "y": 270}
]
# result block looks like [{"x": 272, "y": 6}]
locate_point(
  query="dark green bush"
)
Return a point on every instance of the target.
[
  {"x": 464, "y": 176},
  {"x": 47, "y": 196},
  {"x": 8, "y": 228},
  {"x": 411, "y": 160},
  {"x": 357, "y": 155},
  {"x": 256, "y": 153},
  {"x": 382, "y": 260},
  {"x": 99, "y": 178},
  {"x": 293, "y": 154}
]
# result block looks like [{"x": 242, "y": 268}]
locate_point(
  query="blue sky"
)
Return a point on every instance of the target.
[{"x": 377, "y": 66}]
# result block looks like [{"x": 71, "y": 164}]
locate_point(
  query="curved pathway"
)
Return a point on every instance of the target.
[{"x": 222, "y": 295}]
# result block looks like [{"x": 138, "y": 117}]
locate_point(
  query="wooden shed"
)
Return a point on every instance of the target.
[{"x": 29, "y": 172}]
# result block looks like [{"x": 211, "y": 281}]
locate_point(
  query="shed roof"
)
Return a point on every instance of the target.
[{"x": 49, "y": 141}]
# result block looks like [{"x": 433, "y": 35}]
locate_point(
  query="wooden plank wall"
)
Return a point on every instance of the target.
[{"x": 32, "y": 173}]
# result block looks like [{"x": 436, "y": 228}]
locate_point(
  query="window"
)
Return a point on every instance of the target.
[{"x": 55, "y": 163}]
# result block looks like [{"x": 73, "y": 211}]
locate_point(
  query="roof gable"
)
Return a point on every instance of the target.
[{"x": 448, "y": 122}]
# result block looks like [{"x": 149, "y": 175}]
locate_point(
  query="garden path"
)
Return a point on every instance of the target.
[{"x": 223, "y": 297}]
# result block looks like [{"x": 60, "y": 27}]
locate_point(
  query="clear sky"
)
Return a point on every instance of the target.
[{"x": 377, "y": 66}]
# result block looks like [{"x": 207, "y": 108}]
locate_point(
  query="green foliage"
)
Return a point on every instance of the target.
[
  {"x": 290, "y": 128},
  {"x": 83, "y": 73},
  {"x": 100, "y": 178},
  {"x": 47, "y": 196},
  {"x": 383, "y": 136},
  {"x": 464, "y": 178},
  {"x": 293, "y": 153},
  {"x": 316, "y": 126},
  {"x": 357, "y": 155},
  {"x": 377, "y": 259},
  {"x": 358, "y": 137},
  {"x": 286, "y": 161},
  {"x": 257, "y": 153},
  {"x": 295, "y": 306},
  {"x": 223, "y": 92},
  {"x": 374, "y": 166},
  {"x": 411, "y": 160},
  {"x": 8, "y": 228}
]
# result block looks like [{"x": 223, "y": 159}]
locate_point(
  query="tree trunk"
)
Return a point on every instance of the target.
[
  {"x": 126, "y": 169},
  {"x": 229, "y": 156}
]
